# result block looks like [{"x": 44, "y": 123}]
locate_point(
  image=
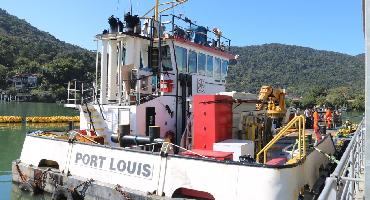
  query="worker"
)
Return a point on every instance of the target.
[
  {"x": 316, "y": 125},
  {"x": 328, "y": 118},
  {"x": 348, "y": 124},
  {"x": 307, "y": 114}
]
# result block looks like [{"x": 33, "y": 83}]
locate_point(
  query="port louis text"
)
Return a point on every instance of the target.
[{"x": 116, "y": 165}]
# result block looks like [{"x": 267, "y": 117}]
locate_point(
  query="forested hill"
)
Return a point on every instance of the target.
[
  {"x": 298, "y": 69},
  {"x": 25, "y": 49},
  {"x": 319, "y": 76}
]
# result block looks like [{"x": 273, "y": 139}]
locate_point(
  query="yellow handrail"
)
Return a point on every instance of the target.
[{"x": 301, "y": 138}]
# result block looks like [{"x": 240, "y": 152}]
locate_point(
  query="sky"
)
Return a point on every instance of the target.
[{"x": 334, "y": 25}]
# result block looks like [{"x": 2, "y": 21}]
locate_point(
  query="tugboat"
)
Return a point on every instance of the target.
[{"x": 159, "y": 125}]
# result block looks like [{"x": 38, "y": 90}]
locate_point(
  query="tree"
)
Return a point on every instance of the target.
[
  {"x": 338, "y": 96},
  {"x": 308, "y": 101},
  {"x": 3, "y": 76},
  {"x": 359, "y": 103}
]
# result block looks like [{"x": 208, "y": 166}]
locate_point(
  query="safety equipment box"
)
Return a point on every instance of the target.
[
  {"x": 238, "y": 147},
  {"x": 212, "y": 120}
]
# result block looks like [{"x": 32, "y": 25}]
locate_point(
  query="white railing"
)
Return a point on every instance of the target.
[
  {"x": 346, "y": 182},
  {"x": 79, "y": 93}
]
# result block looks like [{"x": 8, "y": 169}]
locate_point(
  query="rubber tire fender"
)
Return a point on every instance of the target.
[
  {"x": 61, "y": 193},
  {"x": 27, "y": 186}
]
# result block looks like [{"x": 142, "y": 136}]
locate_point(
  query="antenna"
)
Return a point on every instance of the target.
[
  {"x": 130, "y": 6},
  {"x": 156, "y": 10},
  {"x": 173, "y": 7}
]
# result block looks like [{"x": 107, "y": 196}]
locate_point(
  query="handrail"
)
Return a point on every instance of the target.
[
  {"x": 343, "y": 183},
  {"x": 301, "y": 137}
]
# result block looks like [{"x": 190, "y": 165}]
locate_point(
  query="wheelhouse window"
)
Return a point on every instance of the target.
[
  {"x": 209, "y": 66},
  {"x": 202, "y": 64},
  {"x": 166, "y": 59},
  {"x": 192, "y": 62},
  {"x": 217, "y": 69},
  {"x": 181, "y": 58},
  {"x": 224, "y": 69}
]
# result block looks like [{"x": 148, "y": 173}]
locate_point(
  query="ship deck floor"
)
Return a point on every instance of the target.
[{"x": 283, "y": 148}]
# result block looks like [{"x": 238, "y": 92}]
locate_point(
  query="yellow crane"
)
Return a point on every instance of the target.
[{"x": 272, "y": 100}]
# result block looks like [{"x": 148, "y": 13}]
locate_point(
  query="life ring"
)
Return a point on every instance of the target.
[{"x": 61, "y": 193}]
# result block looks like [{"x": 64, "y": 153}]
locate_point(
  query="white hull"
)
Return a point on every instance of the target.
[{"x": 149, "y": 172}]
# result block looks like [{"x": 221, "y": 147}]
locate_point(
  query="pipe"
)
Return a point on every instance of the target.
[
  {"x": 125, "y": 139},
  {"x": 112, "y": 71},
  {"x": 96, "y": 71},
  {"x": 129, "y": 140},
  {"x": 103, "y": 73},
  {"x": 119, "y": 72}
]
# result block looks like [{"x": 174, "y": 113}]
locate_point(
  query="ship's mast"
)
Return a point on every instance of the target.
[
  {"x": 158, "y": 5},
  {"x": 156, "y": 10}
]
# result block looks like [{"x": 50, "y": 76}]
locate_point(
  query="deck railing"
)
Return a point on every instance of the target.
[
  {"x": 79, "y": 92},
  {"x": 299, "y": 123},
  {"x": 347, "y": 179}
]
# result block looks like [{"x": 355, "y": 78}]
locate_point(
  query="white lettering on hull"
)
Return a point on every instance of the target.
[{"x": 127, "y": 167}]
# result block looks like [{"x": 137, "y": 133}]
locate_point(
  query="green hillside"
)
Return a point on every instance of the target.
[
  {"x": 25, "y": 49},
  {"x": 322, "y": 75}
]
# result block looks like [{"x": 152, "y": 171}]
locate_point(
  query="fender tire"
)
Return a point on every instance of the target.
[
  {"x": 27, "y": 186},
  {"x": 61, "y": 193}
]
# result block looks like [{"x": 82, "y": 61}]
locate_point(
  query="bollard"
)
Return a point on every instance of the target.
[
  {"x": 154, "y": 132},
  {"x": 123, "y": 129}
]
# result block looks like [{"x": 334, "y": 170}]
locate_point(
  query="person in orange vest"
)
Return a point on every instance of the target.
[
  {"x": 328, "y": 118},
  {"x": 316, "y": 125}
]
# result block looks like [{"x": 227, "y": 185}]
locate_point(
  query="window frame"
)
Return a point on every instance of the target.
[
  {"x": 209, "y": 72},
  {"x": 204, "y": 66},
  {"x": 192, "y": 69},
  {"x": 224, "y": 69},
  {"x": 215, "y": 67},
  {"x": 184, "y": 53}
]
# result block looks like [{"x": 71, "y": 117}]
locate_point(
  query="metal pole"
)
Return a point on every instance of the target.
[
  {"x": 75, "y": 92},
  {"x": 366, "y": 13},
  {"x": 96, "y": 71},
  {"x": 120, "y": 72},
  {"x": 69, "y": 86},
  {"x": 352, "y": 170},
  {"x": 82, "y": 93},
  {"x": 156, "y": 10}
]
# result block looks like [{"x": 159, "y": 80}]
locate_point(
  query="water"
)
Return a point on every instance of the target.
[
  {"x": 355, "y": 117},
  {"x": 12, "y": 138}
]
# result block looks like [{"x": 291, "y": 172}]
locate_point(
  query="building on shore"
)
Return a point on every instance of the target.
[{"x": 24, "y": 81}]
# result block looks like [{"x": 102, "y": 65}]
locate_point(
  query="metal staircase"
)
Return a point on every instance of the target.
[{"x": 298, "y": 122}]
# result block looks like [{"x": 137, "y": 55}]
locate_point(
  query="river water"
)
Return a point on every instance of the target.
[{"x": 12, "y": 137}]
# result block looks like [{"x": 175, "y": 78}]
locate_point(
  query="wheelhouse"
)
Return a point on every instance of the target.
[{"x": 140, "y": 62}]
